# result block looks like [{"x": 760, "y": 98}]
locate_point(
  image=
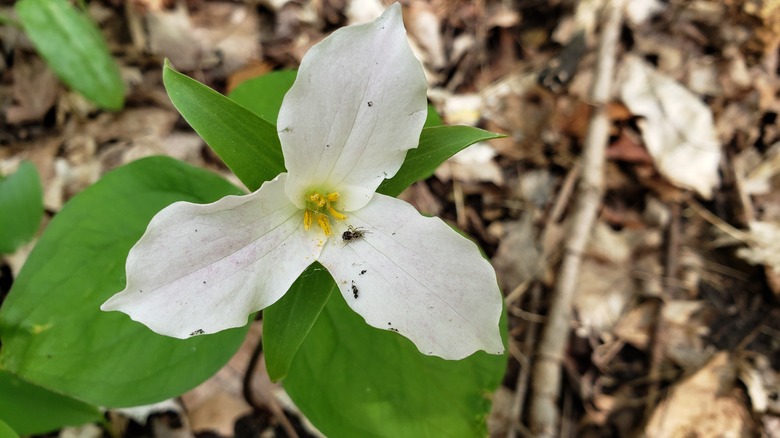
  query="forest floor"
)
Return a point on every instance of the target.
[{"x": 675, "y": 323}]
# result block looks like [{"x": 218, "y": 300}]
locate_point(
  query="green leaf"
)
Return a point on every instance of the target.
[
  {"x": 32, "y": 410},
  {"x": 74, "y": 48},
  {"x": 437, "y": 144},
  {"x": 6, "y": 431},
  {"x": 291, "y": 318},
  {"x": 247, "y": 144},
  {"x": 371, "y": 382},
  {"x": 21, "y": 195},
  {"x": 53, "y": 332},
  {"x": 263, "y": 95}
]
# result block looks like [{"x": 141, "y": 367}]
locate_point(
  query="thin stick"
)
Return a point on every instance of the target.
[
  {"x": 523, "y": 376},
  {"x": 544, "y": 415},
  {"x": 249, "y": 393}
]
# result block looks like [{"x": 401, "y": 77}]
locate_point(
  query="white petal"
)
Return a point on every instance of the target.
[
  {"x": 357, "y": 105},
  {"x": 417, "y": 276},
  {"x": 204, "y": 268}
]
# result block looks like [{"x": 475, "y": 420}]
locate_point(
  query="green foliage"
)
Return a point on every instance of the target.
[
  {"x": 6, "y": 431},
  {"x": 264, "y": 95},
  {"x": 74, "y": 48},
  {"x": 31, "y": 410},
  {"x": 376, "y": 383},
  {"x": 21, "y": 201},
  {"x": 53, "y": 332},
  {"x": 437, "y": 144},
  {"x": 246, "y": 143},
  {"x": 292, "y": 317}
]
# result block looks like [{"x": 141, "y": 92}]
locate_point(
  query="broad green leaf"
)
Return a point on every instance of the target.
[
  {"x": 372, "y": 383},
  {"x": 32, "y": 410},
  {"x": 6, "y": 431},
  {"x": 291, "y": 318},
  {"x": 263, "y": 95},
  {"x": 74, "y": 48},
  {"x": 437, "y": 144},
  {"x": 433, "y": 118},
  {"x": 21, "y": 204},
  {"x": 52, "y": 330},
  {"x": 247, "y": 144}
]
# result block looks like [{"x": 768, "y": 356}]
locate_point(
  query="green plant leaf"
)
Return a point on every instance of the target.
[
  {"x": 21, "y": 195},
  {"x": 291, "y": 318},
  {"x": 371, "y": 382},
  {"x": 74, "y": 48},
  {"x": 263, "y": 95},
  {"x": 53, "y": 332},
  {"x": 247, "y": 144},
  {"x": 31, "y": 410},
  {"x": 437, "y": 144},
  {"x": 6, "y": 431}
]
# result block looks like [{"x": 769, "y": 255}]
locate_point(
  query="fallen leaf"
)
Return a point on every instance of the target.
[
  {"x": 34, "y": 90},
  {"x": 763, "y": 245},
  {"x": 677, "y": 127},
  {"x": 705, "y": 404}
]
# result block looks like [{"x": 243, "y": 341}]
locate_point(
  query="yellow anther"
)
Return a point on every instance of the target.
[
  {"x": 324, "y": 223},
  {"x": 322, "y": 207},
  {"x": 318, "y": 199},
  {"x": 336, "y": 214}
]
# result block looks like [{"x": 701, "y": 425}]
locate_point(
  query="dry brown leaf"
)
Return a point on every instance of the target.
[
  {"x": 518, "y": 258},
  {"x": 474, "y": 164},
  {"x": 677, "y": 127},
  {"x": 763, "y": 245},
  {"x": 35, "y": 90},
  {"x": 424, "y": 25},
  {"x": 705, "y": 405},
  {"x": 683, "y": 330},
  {"x": 171, "y": 35}
]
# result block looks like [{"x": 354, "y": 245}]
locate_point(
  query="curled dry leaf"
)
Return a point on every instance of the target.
[
  {"x": 706, "y": 404},
  {"x": 677, "y": 127},
  {"x": 763, "y": 245}
]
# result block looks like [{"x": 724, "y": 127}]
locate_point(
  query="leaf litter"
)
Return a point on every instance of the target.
[{"x": 676, "y": 323}]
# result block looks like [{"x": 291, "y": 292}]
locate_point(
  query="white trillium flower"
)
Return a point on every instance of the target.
[{"x": 357, "y": 105}]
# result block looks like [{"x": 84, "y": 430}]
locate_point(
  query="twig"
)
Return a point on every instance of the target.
[
  {"x": 671, "y": 292},
  {"x": 544, "y": 415},
  {"x": 525, "y": 366},
  {"x": 249, "y": 394}
]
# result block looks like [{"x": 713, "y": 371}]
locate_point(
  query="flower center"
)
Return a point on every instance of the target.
[{"x": 321, "y": 208}]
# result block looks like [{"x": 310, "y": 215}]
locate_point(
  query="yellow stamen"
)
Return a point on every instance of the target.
[
  {"x": 322, "y": 208},
  {"x": 324, "y": 223},
  {"x": 336, "y": 214},
  {"x": 318, "y": 199}
]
